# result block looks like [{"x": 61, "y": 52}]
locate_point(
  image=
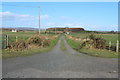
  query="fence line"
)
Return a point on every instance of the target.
[
  {"x": 109, "y": 45},
  {"x": 117, "y": 46},
  {"x": 6, "y": 41},
  {"x": 16, "y": 38}
]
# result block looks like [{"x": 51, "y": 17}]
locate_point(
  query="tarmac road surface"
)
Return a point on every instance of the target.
[{"x": 60, "y": 64}]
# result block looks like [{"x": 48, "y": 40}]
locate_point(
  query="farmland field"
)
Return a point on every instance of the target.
[{"x": 21, "y": 35}]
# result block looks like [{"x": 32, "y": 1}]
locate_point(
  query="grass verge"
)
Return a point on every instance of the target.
[
  {"x": 6, "y": 53},
  {"x": 62, "y": 46},
  {"x": 92, "y": 52}
]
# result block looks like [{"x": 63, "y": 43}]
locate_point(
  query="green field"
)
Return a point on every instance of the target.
[
  {"x": 21, "y": 35},
  {"x": 111, "y": 37},
  {"x": 108, "y": 37}
]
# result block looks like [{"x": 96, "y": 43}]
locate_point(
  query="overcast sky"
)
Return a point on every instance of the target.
[{"x": 100, "y": 16}]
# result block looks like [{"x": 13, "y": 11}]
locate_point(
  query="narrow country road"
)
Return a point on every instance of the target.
[{"x": 60, "y": 64}]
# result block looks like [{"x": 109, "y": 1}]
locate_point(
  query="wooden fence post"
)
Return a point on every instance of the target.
[
  {"x": 117, "y": 46},
  {"x": 109, "y": 45},
  {"x": 16, "y": 38},
  {"x": 7, "y": 41},
  {"x": 4, "y": 45}
]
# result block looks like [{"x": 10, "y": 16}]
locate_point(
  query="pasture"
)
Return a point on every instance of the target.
[{"x": 21, "y": 35}]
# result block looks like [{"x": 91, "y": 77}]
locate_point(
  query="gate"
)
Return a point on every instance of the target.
[{"x": 4, "y": 41}]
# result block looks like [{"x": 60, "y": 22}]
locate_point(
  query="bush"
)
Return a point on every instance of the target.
[
  {"x": 21, "y": 45},
  {"x": 35, "y": 40},
  {"x": 46, "y": 43},
  {"x": 94, "y": 42},
  {"x": 100, "y": 43},
  {"x": 39, "y": 41},
  {"x": 92, "y": 36}
]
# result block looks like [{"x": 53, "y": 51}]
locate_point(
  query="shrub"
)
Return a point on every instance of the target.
[
  {"x": 35, "y": 40},
  {"x": 92, "y": 36},
  {"x": 46, "y": 43},
  {"x": 100, "y": 43},
  {"x": 21, "y": 45},
  {"x": 94, "y": 42},
  {"x": 39, "y": 41}
]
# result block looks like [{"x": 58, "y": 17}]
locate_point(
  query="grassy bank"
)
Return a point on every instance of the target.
[
  {"x": 92, "y": 52},
  {"x": 7, "y": 53},
  {"x": 62, "y": 46}
]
